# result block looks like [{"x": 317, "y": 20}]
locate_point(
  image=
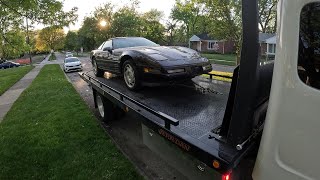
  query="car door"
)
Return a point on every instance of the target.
[
  {"x": 106, "y": 54},
  {"x": 98, "y": 54}
]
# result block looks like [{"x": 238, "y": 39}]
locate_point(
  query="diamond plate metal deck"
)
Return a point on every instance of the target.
[{"x": 198, "y": 105}]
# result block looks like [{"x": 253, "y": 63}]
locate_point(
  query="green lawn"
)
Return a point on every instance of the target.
[
  {"x": 224, "y": 59},
  {"x": 8, "y": 77},
  {"x": 51, "y": 134}
]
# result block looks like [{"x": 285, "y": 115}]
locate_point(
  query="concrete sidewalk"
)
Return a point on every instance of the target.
[{"x": 12, "y": 94}]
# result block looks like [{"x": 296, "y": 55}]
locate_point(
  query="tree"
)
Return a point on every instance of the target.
[
  {"x": 40, "y": 11},
  {"x": 126, "y": 22},
  {"x": 226, "y": 21},
  {"x": 87, "y": 34},
  {"x": 13, "y": 14},
  {"x": 151, "y": 27},
  {"x": 188, "y": 12},
  {"x": 50, "y": 38},
  {"x": 71, "y": 41},
  {"x": 14, "y": 44},
  {"x": 267, "y": 15}
]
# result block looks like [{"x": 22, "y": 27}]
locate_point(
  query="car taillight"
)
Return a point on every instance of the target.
[{"x": 226, "y": 177}]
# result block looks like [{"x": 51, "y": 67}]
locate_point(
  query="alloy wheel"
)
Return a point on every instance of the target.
[{"x": 129, "y": 75}]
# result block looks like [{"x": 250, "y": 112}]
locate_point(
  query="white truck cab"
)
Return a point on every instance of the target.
[{"x": 290, "y": 144}]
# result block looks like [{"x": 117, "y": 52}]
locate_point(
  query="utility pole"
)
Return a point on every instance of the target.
[{"x": 28, "y": 39}]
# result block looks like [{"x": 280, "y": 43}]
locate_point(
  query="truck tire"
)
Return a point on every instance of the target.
[
  {"x": 98, "y": 72},
  {"x": 105, "y": 107},
  {"x": 131, "y": 75}
]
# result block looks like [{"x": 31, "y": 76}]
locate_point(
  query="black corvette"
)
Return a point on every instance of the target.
[{"x": 142, "y": 61}]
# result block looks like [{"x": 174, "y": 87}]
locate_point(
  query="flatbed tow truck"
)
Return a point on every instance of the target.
[{"x": 210, "y": 129}]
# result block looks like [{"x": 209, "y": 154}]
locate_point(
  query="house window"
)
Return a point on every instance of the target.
[
  {"x": 212, "y": 45},
  {"x": 271, "y": 48}
]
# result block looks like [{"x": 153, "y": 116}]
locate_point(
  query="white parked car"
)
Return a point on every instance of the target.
[
  {"x": 69, "y": 54},
  {"x": 72, "y": 64}
]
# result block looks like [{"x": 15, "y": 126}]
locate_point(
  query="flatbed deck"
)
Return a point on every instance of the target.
[{"x": 197, "y": 107}]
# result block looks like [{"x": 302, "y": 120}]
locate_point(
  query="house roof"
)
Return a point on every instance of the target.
[
  {"x": 271, "y": 40},
  {"x": 264, "y": 36},
  {"x": 199, "y": 37},
  {"x": 205, "y": 36}
]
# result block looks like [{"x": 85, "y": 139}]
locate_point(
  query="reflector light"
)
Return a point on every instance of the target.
[
  {"x": 216, "y": 164},
  {"x": 226, "y": 177}
]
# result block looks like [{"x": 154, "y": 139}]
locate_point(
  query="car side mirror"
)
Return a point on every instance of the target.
[{"x": 108, "y": 49}]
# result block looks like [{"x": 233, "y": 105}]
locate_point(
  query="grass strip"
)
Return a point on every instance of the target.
[
  {"x": 50, "y": 134},
  {"x": 8, "y": 77}
]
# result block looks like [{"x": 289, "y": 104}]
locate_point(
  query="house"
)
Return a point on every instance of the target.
[
  {"x": 267, "y": 43},
  {"x": 204, "y": 43}
]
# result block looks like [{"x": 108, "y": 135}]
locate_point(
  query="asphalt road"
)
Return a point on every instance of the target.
[{"x": 126, "y": 132}]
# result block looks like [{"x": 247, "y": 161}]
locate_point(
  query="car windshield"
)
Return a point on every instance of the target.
[
  {"x": 69, "y": 60},
  {"x": 132, "y": 42}
]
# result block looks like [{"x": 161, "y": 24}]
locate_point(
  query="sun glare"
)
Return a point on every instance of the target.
[{"x": 103, "y": 23}]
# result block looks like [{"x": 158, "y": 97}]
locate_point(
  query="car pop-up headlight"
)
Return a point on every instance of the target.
[
  {"x": 204, "y": 59},
  {"x": 158, "y": 57},
  {"x": 171, "y": 71}
]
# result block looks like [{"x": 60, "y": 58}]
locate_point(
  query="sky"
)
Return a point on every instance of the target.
[{"x": 85, "y": 7}]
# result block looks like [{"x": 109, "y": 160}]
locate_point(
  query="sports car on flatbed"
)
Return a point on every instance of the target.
[{"x": 143, "y": 62}]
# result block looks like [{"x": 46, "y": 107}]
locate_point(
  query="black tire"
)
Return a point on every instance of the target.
[
  {"x": 131, "y": 77},
  {"x": 105, "y": 107},
  {"x": 98, "y": 72}
]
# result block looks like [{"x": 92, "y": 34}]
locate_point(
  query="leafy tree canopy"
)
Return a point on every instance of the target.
[
  {"x": 50, "y": 38},
  {"x": 15, "y": 13}
]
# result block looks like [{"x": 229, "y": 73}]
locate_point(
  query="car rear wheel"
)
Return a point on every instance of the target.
[
  {"x": 98, "y": 72},
  {"x": 131, "y": 76}
]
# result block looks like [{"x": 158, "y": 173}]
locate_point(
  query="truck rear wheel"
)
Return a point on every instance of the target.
[{"x": 105, "y": 107}]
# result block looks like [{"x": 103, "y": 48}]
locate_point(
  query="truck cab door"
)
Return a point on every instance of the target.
[{"x": 290, "y": 144}]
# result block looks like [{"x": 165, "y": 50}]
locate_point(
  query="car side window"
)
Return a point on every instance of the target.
[
  {"x": 309, "y": 43},
  {"x": 107, "y": 44}
]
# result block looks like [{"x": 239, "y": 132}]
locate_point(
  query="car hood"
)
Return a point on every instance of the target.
[
  {"x": 171, "y": 53},
  {"x": 72, "y": 63}
]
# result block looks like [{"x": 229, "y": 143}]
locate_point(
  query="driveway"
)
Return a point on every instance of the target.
[{"x": 125, "y": 132}]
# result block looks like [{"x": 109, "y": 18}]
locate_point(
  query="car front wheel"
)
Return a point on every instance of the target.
[{"x": 131, "y": 75}]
